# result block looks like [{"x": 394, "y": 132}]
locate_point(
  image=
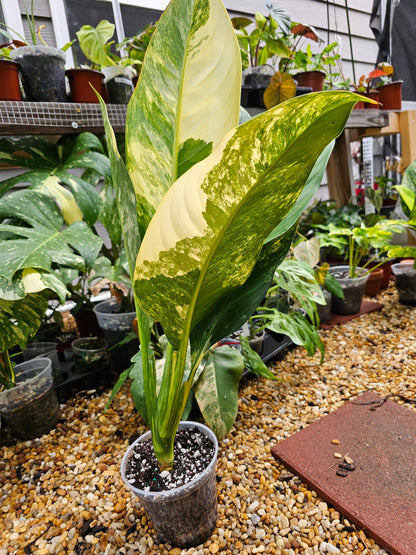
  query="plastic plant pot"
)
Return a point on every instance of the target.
[
  {"x": 405, "y": 279},
  {"x": 353, "y": 289},
  {"x": 45, "y": 349},
  {"x": 119, "y": 83},
  {"x": 31, "y": 409},
  {"x": 115, "y": 324},
  {"x": 42, "y": 69},
  {"x": 90, "y": 353},
  {"x": 184, "y": 516}
]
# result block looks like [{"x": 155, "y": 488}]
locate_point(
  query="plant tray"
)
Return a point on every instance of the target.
[{"x": 73, "y": 383}]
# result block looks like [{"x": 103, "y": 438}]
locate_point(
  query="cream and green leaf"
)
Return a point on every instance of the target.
[{"x": 186, "y": 100}]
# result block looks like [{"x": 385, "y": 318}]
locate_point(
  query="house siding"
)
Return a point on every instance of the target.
[{"x": 332, "y": 16}]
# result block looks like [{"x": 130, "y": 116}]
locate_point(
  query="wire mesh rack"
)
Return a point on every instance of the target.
[{"x": 57, "y": 117}]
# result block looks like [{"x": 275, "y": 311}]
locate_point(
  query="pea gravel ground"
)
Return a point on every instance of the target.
[{"x": 62, "y": 493}]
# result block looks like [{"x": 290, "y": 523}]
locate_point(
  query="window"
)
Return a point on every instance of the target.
[{"x": 91, "y": 12}]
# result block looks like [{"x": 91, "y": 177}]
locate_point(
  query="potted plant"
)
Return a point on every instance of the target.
[
  {"x": 390, "y": 90},
  {"x": 28, "y": 402},
  {"x": 201, "y": 275},
  {"x": 260, "y": 49},
  {"x": 311, "y": 67},
  {"x": 405, "y": 271},
  {"x": 118, "y": 71},
  {"x": 366, "y": 247},
  {"x": 42, "y": 67},
  {"x": 136, "y": 46},
  {"x": 371, "y": 86},
  {"x": 309, "y": 251}
]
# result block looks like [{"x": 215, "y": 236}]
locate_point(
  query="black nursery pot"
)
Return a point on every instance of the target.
[
  {"x": 405, "y": 280},
  {"x": 184, "y": 516},
  {"x": 42, "y": 69}
]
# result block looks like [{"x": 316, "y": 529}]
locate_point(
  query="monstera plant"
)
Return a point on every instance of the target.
[{"x": 208, "y": 209}]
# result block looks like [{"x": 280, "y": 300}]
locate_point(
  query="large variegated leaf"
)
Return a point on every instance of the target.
[
  {"x": 43, "y": 240},
  {"x": 216, "y": 391},
  {"x": 187, "y": 98},
  {"x": 208, "y": 232},
  {"x": 234, "y": 308},
  {"x": 20, "y": 319}
]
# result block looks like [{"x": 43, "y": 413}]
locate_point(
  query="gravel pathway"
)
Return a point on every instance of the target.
[{"x": 63, "y": 494}]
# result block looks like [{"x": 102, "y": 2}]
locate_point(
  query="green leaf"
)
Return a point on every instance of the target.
[
  {"x": 308, "y": 251},
  {"x": 253, "y": 362},
  {"x": 176, "y": 101},
  {"x": 124, "y": 190},
  {"x": 298, "y": 328},
  {"x": 192, "y": 152},
  {"x": 229, "y": 204},
  {"x": 48, "y": 166},
  {"x": 137, "y": 388},
  {"x": 93, "y": 42},
  {"x": 332, "y": 285},
  {"x": 407, "y": 191},
  {"x": 216, "y": 390},
  {"x": 312, "y": 185}
]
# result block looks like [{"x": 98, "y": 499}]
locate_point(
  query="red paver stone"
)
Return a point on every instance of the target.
[{"x": 380, "y": 494}]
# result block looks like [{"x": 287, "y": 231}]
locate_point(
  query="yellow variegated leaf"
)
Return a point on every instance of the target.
[
  {"x": 64, "y": 199},
  {"x": 187, "y": 98},
  {"x": 208, "y": 232}
]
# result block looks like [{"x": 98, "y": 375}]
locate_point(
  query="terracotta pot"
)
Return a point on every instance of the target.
[
  {"x": 374, "y": 95},
  {"x": 372, "y": 287},
  {"x": 9, "y": 80},
  {"x": 360, "y": 104},
  {"x": 80, "y": 81},
  {"x": 313, "y": 79},
  {"x": 391, "y": 96},
  {"x": 386, "y": 267}
]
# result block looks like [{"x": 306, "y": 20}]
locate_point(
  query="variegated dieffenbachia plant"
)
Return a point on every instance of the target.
[{"x": 216, "y": 205}]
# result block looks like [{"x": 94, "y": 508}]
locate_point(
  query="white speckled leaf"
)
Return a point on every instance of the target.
[
  {"x": 208, "y": 232},
  {"x": 187, "y": 98}
]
